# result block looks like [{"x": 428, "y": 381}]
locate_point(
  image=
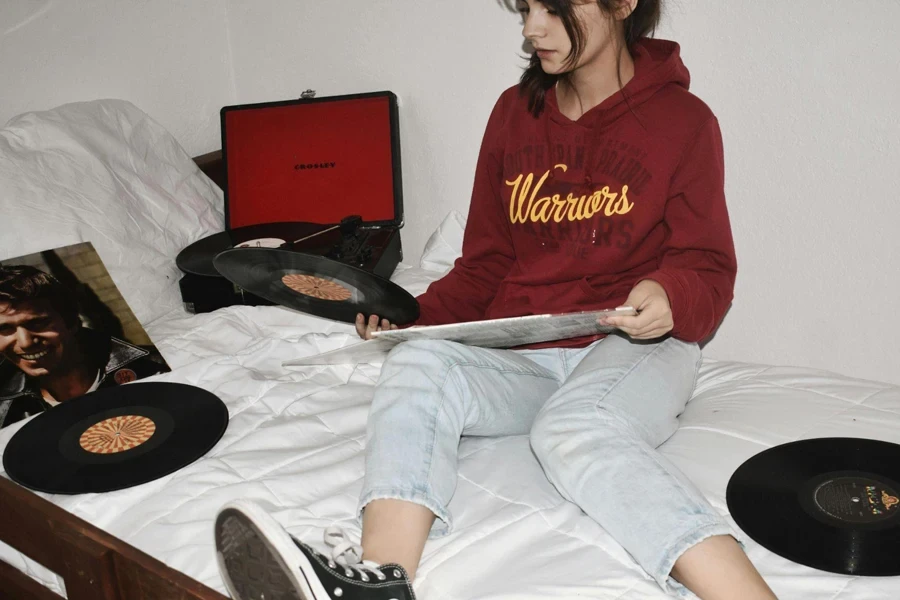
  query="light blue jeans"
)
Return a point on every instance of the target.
[{"x": 596, "y": 416}]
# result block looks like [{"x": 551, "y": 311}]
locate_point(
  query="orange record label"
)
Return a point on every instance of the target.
[
  {"x": 316, "y": 287},
  {"x": 117, "y": 434}
]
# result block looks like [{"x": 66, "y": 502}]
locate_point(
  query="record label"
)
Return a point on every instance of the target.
[
  {"x": 262, "y": 243},
  {"x": 118, "y": 434},
  {"x": 317, "y": 287},
  {"x": 856, "y": 499}
]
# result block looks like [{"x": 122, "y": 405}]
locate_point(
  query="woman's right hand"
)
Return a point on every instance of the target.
[{"x": 366, "y": 328}]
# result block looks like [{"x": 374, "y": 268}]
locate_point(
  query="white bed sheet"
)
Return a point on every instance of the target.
[{"x": 295, "y": 443}]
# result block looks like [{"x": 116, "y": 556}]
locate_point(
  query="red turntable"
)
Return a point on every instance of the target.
[{"x": 320, "y": 176}]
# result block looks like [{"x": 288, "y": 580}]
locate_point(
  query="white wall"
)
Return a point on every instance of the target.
[
  {"x": 806, "y": 91},
  {"x": 169, "y": 58},
  {"x": 808, "y": 95}
]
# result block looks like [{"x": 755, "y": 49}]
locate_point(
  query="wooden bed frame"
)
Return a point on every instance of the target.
[{"x": 93, "y": 564}]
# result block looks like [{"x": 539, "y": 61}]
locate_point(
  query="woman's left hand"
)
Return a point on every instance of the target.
[{"x": 654, "y": 317}]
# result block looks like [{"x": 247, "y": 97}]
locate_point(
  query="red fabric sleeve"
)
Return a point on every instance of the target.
[
  {"x": 698, "y": 266},
  {"x": 465, "y": 292}
]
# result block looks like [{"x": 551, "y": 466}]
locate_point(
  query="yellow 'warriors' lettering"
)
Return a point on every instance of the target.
[
  {"x": 576, "y": 207},
  {"x": 540, "y": 210},
  {"x": 517, "y": 199},
  {"x": 524, "y": 204},
  {"x": 623, "y": 206},
  {"x": 597, "y": 202}
]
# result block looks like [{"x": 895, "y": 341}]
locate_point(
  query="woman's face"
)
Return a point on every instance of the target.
[{"x": 544, "y": 29}]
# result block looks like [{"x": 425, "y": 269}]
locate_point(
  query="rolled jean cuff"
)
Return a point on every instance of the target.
[
  {"x": 442, "y": 525},
  {"x": 663, "y": 576}
]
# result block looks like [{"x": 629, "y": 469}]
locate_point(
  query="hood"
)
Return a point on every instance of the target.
[{"x": 657, "y": 64}]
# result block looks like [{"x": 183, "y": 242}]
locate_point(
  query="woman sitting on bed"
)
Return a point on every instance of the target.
[{"x": 599, "y": 184}]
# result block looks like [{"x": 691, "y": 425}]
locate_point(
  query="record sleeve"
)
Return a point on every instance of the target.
[{"x": 492, "y": 333}]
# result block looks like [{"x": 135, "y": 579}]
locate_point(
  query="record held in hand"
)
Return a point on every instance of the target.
[
  {"x": 197, "y": 258},
  {"x": 115, "y": 438},
  {"x": 316, "y": 285},
  {"x": 832, "y": 504}
]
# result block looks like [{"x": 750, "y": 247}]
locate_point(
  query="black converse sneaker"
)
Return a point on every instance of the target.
[{"x": 259, "y": 560}]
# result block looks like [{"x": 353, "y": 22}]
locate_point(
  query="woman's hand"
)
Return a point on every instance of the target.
[
  {"x": 365, "y": 329},
  {"x": 654, "y": 318}
]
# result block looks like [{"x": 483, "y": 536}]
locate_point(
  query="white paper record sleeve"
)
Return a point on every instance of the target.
[{"x": 494, "y": 333}]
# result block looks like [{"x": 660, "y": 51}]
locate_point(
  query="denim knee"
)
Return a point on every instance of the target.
[
  {"x": 555, "y": 430},
  {"x": 429, "y": 360}
]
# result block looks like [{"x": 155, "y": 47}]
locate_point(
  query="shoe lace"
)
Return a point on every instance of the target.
[{"x": 349, "y": 555}]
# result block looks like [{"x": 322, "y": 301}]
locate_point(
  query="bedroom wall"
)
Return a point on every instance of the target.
[
  {"x": 806, "y": 92},
  {"x": 169, "y": 58}
]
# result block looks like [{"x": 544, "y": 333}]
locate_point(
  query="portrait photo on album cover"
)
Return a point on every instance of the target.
[{"x": 65, "y": 331}]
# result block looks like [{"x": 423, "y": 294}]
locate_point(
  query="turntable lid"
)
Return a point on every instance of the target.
[{"x": 316, "y": 160}]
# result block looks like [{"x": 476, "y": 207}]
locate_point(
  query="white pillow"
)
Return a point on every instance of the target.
[
  {"x": 105, "y": 172},
  {"x": 445, "y": 244}
]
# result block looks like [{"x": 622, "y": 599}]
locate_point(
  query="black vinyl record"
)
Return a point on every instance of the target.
[
  {"x": 830, "y": 503},
  {"x": 316, "y": 285},
  {"x": 115, "y": 438},
  {"x": 198, "y": 257}
]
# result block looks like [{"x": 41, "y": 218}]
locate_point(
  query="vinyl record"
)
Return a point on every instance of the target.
[
  {"x": 115, "y": 438},
  {"x": 198, "y": 257},
  {"x": 316, "y": 285},
  {"x": 831, "y": 503}
]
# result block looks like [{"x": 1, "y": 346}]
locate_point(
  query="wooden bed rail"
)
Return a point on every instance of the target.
[{"x": 93, "y": 564}]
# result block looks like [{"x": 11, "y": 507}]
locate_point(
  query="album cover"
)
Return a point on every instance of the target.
[
  {"x": 507, "y": 332},
  {"x": 65, "y": 330},
  {"x": 510, "y": 332}
]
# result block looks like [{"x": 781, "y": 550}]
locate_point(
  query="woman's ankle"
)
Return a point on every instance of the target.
[
  {"x": 395, "y": 531},
  {"x": 718, "y": 569}
]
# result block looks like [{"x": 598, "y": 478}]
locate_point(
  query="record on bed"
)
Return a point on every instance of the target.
[
  {"x": 197, "y": 258},
  {"x": 316, "y": 285},
  {"x": 115, "y": 438},
  {"x": 831, "y": 503}
]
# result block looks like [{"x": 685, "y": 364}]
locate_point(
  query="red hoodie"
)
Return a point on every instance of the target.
[{"x": 569, "y": 215}]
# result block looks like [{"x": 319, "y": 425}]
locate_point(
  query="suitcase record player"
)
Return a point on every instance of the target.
[{"x": 320, "y": 176}]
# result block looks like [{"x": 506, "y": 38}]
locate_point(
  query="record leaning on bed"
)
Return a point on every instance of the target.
[
  {"x": 830, "y": 503},
  {"x": 115, "y": 438}
]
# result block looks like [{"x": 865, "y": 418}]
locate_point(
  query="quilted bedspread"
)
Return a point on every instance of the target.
[{"x": 295, "y": 443}]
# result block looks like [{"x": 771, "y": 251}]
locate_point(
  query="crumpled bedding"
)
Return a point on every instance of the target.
[{"x": 295, "y": 443}]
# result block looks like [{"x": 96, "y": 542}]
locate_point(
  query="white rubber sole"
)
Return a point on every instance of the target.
[{"x": 257, "y": 558}]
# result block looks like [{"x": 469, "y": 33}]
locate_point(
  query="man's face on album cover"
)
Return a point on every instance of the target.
[{"x": 34, "y": 337}]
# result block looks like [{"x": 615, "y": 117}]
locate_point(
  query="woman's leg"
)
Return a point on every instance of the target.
[
  {"x": 395, "y": 531},
  {"x": 429, "y": 394},
  {"x": 596, "y": 439},
  {"x": 718, "y": 568}
]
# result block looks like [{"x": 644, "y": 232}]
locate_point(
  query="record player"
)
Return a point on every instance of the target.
[{"x": 320, "y": 176}]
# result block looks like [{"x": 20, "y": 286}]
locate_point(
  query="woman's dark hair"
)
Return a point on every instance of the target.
[
  {"x": 641, "y": 23},
  {"x": 22, "y": 283}
]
